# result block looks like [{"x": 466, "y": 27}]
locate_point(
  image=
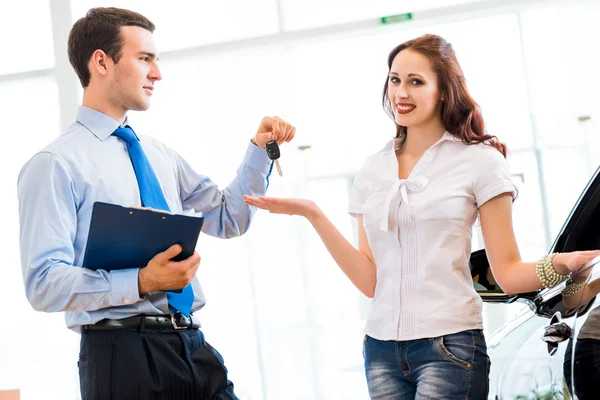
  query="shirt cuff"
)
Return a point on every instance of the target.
[
  {"x": 124, "y": 287},
  {"x": 496, "y": 190},
  {"x": 355, "y": 210},
  {"x": 257, "y": 159}
]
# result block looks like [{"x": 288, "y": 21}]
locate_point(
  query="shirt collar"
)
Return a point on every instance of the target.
[
  {"x": 101, "y": 125},
  {"x": 397, "y": 142}
]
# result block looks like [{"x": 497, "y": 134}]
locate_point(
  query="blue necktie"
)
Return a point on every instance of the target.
[{"x": 153, "y": 196}]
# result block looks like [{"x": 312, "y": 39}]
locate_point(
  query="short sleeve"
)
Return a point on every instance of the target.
[
  {"x": 493, "y": 178},
  {"x": 358, "y": 193}
]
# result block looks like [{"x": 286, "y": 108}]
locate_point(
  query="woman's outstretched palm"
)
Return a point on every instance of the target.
[{"x": 277, "y": 205}]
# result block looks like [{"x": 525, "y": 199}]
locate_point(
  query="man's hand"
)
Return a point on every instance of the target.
[
  {"x": 273, "y": 128},
  {"x": 163, "y": 274}
]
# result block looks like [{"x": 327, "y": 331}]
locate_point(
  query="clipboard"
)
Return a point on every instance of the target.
[{"x": 127, "y": 237}]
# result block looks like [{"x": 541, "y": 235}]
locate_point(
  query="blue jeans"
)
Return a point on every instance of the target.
[{"x": 448, "y": 367}]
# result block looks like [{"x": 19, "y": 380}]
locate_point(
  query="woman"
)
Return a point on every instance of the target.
[{"x": 416, "y": 201}]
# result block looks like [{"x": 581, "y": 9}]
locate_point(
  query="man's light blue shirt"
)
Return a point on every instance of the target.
[{"x": 57, "y": 189}]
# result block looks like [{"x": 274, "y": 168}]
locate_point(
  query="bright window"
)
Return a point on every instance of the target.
[
  {"x": 562, "y": 70},
  {"x": 187, "y": 23},
  {"x": 42, "y": 362},
  {"x": 302, "y": 15},
  {"x": 26, "y": 32}
]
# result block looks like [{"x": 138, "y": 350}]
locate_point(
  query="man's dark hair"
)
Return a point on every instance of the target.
[{"x": 101, "y": 29}]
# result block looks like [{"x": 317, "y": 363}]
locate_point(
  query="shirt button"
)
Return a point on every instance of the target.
[{"x": 126, "y": 300}]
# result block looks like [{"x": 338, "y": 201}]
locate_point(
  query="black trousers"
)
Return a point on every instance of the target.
[
  {"x": 587, "y": 368},
  {"x": 151, "y": 364}
]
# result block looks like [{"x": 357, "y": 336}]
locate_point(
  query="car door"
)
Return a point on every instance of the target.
[
  {"x": 530, "y": 360},
  {"x": 582, "y": 356}
]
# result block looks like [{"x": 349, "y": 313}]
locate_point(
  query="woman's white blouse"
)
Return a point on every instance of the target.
[{"x": 419, "y": 230}]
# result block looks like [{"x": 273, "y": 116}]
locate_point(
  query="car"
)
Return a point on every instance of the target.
[{"x": 551, "y": 349}]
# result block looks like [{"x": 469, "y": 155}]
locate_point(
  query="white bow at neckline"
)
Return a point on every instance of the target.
[{"x": 403, "y": 186}]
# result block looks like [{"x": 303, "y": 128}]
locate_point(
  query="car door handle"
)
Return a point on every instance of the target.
[{"x": 555, "y": 333}]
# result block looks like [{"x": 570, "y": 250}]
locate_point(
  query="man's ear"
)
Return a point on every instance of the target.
[{"x": 99, "y": 63}]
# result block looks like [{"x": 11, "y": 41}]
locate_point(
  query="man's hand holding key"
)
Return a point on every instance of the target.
[{"x": 272, "y": 132}]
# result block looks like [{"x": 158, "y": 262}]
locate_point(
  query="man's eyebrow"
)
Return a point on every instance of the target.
[{"x": 148, "y": 53}]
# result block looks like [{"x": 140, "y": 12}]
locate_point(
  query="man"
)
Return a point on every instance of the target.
[{"x": 139, "y": 338}]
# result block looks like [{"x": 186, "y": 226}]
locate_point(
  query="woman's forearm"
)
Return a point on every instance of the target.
[
  {"x": 518, "y": 277},
  {"x": 357, "y": 266}
]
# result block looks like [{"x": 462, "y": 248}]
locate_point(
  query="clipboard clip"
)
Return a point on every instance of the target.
[{"x": 150, "y": 209}]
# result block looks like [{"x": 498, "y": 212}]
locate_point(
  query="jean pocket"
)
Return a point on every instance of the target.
[{"x": 458, "y": 348}]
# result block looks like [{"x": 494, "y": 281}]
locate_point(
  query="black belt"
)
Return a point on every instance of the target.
[{"x": 169, "y": 322}]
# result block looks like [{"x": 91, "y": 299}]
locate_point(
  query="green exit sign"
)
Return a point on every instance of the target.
[{"x": 392, "y": 19}]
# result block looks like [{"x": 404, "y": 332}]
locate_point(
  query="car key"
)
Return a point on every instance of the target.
[{"x": 274, "y": 154}]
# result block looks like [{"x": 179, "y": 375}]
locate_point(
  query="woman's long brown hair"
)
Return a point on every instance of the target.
[{"x": 461, "y": 115}]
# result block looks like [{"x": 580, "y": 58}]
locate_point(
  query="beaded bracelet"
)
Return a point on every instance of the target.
[
  {"x": 546, "y": 272},
  {"x": 572, "y": 287}
]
